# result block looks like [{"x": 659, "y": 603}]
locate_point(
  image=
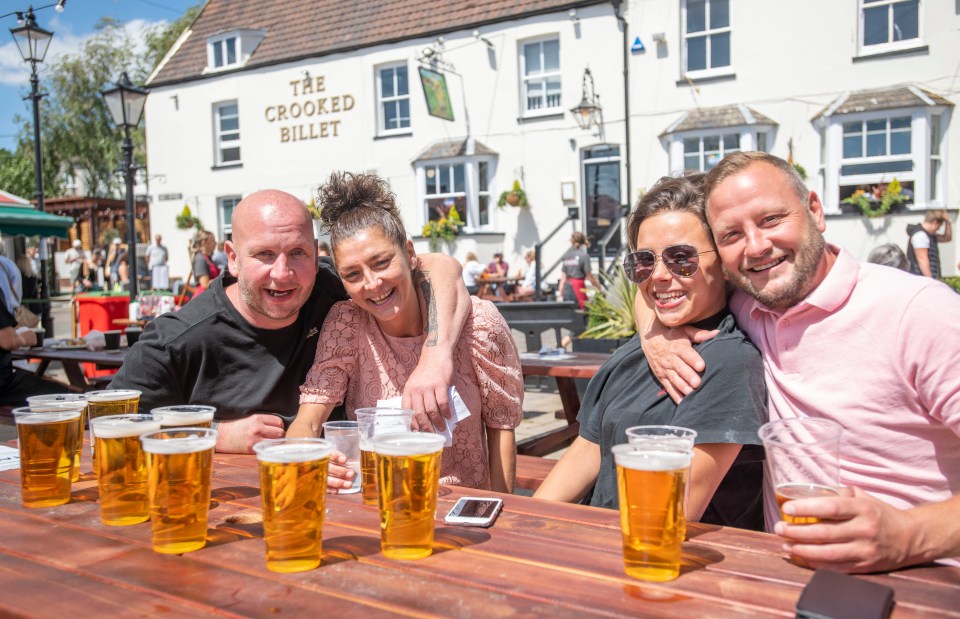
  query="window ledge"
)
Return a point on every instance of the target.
[
  {"x": 540, "y": 117},
  {"x": 398, "y": 134},
  {"x": 227, "y": 166},
  {"x": 690, "y": 80},
  {"x": 910, "y": 51}
]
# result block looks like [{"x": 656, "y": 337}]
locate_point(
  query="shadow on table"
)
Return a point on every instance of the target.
[
  {"x": 349, "y": 548},
  {"x": 233, "y": 493}
]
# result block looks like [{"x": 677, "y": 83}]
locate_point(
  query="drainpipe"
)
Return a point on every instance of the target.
[{"x": 626, "y": 97}]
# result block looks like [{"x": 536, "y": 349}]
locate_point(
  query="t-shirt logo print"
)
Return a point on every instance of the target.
[{"x": 312, "y": 332}]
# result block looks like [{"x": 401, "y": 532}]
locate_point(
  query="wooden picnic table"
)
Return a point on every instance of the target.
[
  {"x": 540, "y": 559},
  {"x": 72, "y": 360},
  {"x": 564, "y": 369},
  {"x": 487, "y": 287}
]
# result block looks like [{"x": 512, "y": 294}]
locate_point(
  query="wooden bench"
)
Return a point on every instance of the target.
[{"x": 532, "y": 470}]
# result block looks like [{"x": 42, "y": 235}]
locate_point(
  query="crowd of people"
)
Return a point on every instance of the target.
[{"x": 745, "y": 314}]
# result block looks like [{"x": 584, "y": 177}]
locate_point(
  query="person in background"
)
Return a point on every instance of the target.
[
  {"x": 323, "y": 248},
  {"x": 33, "y": 254},
  {"x": 123, "y": 269},
  {"x": 472, "y": 271},
  {"x": 113, "y": 262},
  {"x": 923, "y": 250},
  {"x": 157, "y": 256},
  {"x": 576, "y": 271},
  {"x": 204, "y": 269},
  {"x": 369, "y": 345},
  {"x": 95, "y": 269},
  {"x": 75, "y": 259},
  {"x": 889, "y": 255},
  {"x": 219, "y": 257},
  {"x": 527, "y": 285},
  {"x": 500, "y": 268}
]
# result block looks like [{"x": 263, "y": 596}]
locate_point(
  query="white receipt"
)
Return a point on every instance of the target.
[
  {"x": 460, "y": 412},
  {"x": 9, "y": 458}
]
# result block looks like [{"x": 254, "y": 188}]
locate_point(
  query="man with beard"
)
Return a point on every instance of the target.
[
  {"x": 855, "y": 343},
  {"x": 246, "y": 345}
]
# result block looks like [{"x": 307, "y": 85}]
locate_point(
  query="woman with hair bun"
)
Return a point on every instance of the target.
[
  {"x": 369, "y": 345},
  {"x": 575, "y": 271}
]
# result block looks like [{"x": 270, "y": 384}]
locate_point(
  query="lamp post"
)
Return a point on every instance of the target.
[
  {"x": 33, "y": 41},
  {"x": 125, "y": 102},
  {"x": 589, "y": 112}
]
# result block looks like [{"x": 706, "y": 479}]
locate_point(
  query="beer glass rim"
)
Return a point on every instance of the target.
[
  {"x": 643, "y": 457},
  {"x": 667, "y": 431},
  {"x": 98, "y": 423},
  {"x": 112, "y": 395},
  {"x": 408, "y": 443},
  {"x": 382, "y": 410},
  {"x": 312, "y": 449},
  {"x": 27, "y": 414},
  {"x": 200, "y": 439},
  {"x": 349, "y": 424},
  {"x": 820, "y": 431},
  {"x": 56, "y": 398},
  {"x": 183, "y": 408}
]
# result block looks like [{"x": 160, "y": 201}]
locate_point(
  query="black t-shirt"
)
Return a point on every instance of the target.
[
  {"x": 6, "y": 361},
  {"x": 729, "y": 407},
  {"x": 207, "y": 353}
]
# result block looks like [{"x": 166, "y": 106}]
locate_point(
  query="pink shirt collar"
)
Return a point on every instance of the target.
[{"x": 832, "y": 292}]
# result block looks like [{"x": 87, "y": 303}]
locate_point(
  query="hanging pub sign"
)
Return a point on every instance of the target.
[{"x": 435, "y": 92}]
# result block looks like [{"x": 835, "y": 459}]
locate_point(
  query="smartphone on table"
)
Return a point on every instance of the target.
[{"x": 474, "y": 512}]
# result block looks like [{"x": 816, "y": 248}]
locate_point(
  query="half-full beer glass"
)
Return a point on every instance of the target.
[
  {"x": 179, "y": 462},
  {"x": 193, "y": 415},
  {"x": 375, "y": 421},
  {"x": 293, "y": 481},
  {"x": 48, "y": 437},
  {"x": 408, "y": 476},
  {"x": 651, "y": 484},
  {"x": 122, "y": 477},
  {"x": 803, "y": 460},
  {"x": 77, "y": 399},
  {"x": 111, "y": 402}
]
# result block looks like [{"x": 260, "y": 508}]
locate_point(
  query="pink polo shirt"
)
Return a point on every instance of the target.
[{"x": 878, "y": 351}]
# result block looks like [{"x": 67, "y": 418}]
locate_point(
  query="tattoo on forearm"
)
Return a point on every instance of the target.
[{"x": 422, "y": 280}]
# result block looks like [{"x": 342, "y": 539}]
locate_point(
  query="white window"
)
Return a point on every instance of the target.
[
  {"x": 230, "y": 50},
  {"x": 936, "y": 159},
  {"x": 227, "y": 133},
  {"x": 703, "y": 152},
  {"x": 876, "y": 138},
  {"x": 540, "y": 71},
  {"x": 888, "y": 25},
  {"x": 223, "y": 52},
  {"x": 706, "y": 37},
  {"x": 464, "y": 183},
  {"x": 226, "y": 205},
  {"x": 393, "y": 91}
]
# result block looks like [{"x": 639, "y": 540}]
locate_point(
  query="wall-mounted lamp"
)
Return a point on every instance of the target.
[
  {"x": 573, "y": 15},
  {"x": 660, "y": 37},
  {"x": 482, "y": 39},
  {"x": 588, "y": 112}
]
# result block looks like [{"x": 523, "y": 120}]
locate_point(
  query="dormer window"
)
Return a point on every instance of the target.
[{"x": 232, "y": 49}]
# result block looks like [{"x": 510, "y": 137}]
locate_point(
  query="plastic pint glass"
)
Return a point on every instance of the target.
[
  {"x": 48, "y": 437},
  {"x": 293, "y": 481},
  {"x": 374, "y": 421},
  {"x": 408, "y": 475},
  {"x": 111, "y": 402},
  {"x": 77, "y": 399},
  {"x": 651, "y": 484},
  {"x": 179, "y": 462},
  {"x": 193, "y": 415},
  {"x": 122, "y": 477},
  {"x": 671, "y": 438}
]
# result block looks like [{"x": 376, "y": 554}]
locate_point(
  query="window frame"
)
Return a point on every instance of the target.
[
  {"x": 749, "y": 138},
  {"x": 226, "y": 228},
  {"x": 708, "y": 33},
  {"x": 382, "y": 130},
  {"x": 219, "y": 144},
  {"x": 890, "y": 45},
  {"x": 221, "y": 41},
  {"x": 543, "y": 77},
  {"x": 472, "y": 193}
]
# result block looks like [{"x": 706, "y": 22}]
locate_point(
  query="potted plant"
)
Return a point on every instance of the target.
[
  {"x": 186, "y": 220},
  {"x": 610, "y": 315},
  {"x": 445, "y": 228},
  {"x": 879, "y": 200},
  {"x": 514, "y": 197}
]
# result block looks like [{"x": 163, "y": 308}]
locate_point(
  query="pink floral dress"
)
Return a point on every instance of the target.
[{"x": 357, "y": 363}]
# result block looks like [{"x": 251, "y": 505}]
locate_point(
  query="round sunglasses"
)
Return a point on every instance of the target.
[{"x": 681, "y": 260}]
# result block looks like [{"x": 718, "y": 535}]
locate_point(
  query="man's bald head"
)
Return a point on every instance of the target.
[{"x": 264, "y": 206}]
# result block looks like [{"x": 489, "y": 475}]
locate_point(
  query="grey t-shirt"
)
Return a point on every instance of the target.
[
  {"x": 576, "y": 263},
  {"x": 729, "y": 407}
]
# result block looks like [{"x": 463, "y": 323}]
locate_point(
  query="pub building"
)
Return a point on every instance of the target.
[{"x": 454, "y": 103}]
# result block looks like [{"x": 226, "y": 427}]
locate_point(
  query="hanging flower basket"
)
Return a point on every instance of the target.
[
  {"x": 514, "y": 197},
  {"x": 186, "y": 220},
  {"x": 881, "y": 198}
]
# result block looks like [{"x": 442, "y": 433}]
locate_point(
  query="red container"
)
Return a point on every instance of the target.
[{"x": 98, "y": 310}]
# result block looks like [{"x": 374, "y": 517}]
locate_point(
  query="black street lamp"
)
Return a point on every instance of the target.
[
  {"x": 125, "y": 103},
  {"x": 588, "y": 112},
  {"x": 33, "y": 41}
]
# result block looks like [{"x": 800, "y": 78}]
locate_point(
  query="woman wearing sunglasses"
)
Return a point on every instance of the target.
[{"x": 676, "y": 268}]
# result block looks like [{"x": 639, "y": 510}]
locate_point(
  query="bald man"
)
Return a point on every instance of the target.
[{"x": 245, "y": 344}]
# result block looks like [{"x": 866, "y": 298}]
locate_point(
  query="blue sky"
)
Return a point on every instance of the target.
[{"x": 70, "y": 28}]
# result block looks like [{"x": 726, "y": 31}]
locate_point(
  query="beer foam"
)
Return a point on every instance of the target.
[
  {"x": 122, "y": 426},
  {"x": 629, "y": 457},
  {"x": 57, "y": 398},
  {"x": 181, "y": 445},
  {"x": 184, "y": 414},
  {"x": 286, "y": 452},
  {"x": 408, "y": 444},
  {"x": 113, "y": 395}
]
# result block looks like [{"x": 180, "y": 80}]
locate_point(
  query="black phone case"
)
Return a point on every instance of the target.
[{"x": 832, "y": 595}]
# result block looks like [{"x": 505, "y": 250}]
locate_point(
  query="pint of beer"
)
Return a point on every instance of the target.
[
  {"x": 111, "y": 402},
  {"x": 181, "y": 415},
  {"x": 48, "y": 437},
  {"x": 803, "y": 461},
  {"x": 651, "y": 484},
  {"x": 372, "y": 422},
  {"x": 293, "y": 481},
  {"x": 179, "y": 462},
  {"x": 408, "y": 476},
  {"x": 122, "y": 477},
  {"x": 78, "y": 399},
  {"x": 670, "y": 438}
]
